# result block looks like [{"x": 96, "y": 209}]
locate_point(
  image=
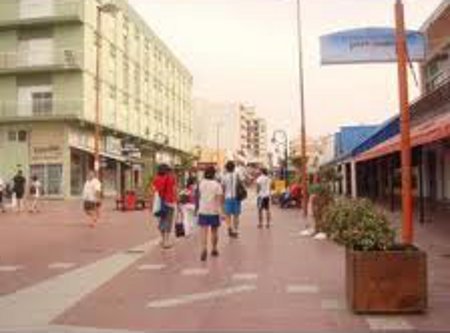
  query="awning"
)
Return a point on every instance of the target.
[
  {"x": 429, "y": 131},
  {"x": 102, "y": 153}
]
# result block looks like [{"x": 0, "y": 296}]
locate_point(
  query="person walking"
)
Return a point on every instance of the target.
[
  {"x": 19, "y": 183},
  {"x": 209, "y": 212},
  {"x": 92, "y": 193},
  {"x": 2, "y": 195},
  {"x": 263, "y": 189},
  {"x": 231, "y": 183},
  {"x": 165, "y": 186},
  {"x": 35, "y": 194},
  {"x": 187, "y": 202}
]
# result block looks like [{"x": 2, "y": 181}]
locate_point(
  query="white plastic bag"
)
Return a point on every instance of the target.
[
  {"x": 156, "y": 208},
  {"x": 13, "y": 201}
]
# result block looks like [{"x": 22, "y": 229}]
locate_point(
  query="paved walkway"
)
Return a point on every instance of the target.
[{"x": 265, "y": 280}]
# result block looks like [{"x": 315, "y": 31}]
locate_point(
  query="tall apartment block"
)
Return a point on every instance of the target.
[
  {"x": 49, "y": 50},
  {"x": 253, "y": 136}
]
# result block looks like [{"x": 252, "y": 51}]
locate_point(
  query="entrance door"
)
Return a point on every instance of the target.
[
  {"x": 431, "y": 171},
  {"x": 447, "y": 175}
]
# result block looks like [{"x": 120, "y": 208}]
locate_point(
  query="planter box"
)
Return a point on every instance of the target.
[{"x": 386, "y": 281}]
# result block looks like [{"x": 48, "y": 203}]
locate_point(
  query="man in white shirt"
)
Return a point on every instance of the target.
[
  {"x": 2, "y": 194},
  {"x": 92, "y": 198},
  {"x": 263, "y": 188}
]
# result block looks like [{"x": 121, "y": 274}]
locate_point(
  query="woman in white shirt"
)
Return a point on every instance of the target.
[
  {"x": 35, "y": 194},
  {"x": 209, "y": 211},
  {"x": 92, "y": 198}
]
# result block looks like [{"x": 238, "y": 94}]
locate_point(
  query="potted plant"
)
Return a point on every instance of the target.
[{"x": 381, "y": 275}]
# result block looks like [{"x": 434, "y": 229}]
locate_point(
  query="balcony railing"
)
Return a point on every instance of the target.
[
  {"x": 44, "y": 60},
  {"x": 41, "y": 109},
  {"x": 56, "y": 11}
]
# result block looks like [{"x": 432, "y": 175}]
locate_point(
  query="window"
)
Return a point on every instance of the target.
[
  {"x": 42, "y": 103},
  {"x": 12, "y": 136},
  {"x": 22, "y": 136}
]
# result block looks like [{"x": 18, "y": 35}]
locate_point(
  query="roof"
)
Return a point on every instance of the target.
[
  {"x": 435, "y": 15},
  {"x": 432, "y": 130}
]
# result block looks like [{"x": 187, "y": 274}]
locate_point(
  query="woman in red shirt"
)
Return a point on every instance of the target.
[{"x": 165, "y": 185}]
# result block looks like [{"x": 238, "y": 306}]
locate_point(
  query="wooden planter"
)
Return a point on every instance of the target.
[{"x": 386, "y": 281}]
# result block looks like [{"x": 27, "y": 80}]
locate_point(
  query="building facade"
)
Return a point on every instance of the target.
[
  {"x": 373, "y": 168},
  {"x": 49, "y": 52},
  {"x": 253, "y": 136}
]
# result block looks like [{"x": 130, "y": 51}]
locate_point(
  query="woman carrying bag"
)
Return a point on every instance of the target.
[{"x": 165, "y": 191}]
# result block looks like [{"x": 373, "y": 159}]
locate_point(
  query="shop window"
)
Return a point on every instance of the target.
[{"x": 50, "y": 176}]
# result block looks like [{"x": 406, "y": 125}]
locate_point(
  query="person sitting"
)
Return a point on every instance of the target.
[{"x": 291, "y": 197}]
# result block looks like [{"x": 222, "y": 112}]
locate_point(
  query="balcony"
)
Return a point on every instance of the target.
[
  {"x": 40, "y": 110},
  {"x": 12, "y": 16},
  {"x": 40, "y": 61}
]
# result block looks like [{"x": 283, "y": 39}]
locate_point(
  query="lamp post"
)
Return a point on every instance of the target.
[
  {"x": 108, "y": 8},
  {"x": 402, "y": 62},
  {"x": 304, "y": 164},
  {"x": 280, "y": 137}
]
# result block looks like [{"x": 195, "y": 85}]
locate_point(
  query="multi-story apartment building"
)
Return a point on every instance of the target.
[
  {"x": 253, "y": 135},
  {"x": 48, "y": 73},
  {"x": 436, "y": 69}
]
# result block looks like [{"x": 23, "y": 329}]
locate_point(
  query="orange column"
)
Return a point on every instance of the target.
[{"x": 402, "y": 57}]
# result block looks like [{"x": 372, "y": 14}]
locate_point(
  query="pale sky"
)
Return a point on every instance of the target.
[{"x": 246, "y": 51}]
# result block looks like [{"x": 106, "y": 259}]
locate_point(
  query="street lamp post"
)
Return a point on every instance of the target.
[
  {"x": 108, "y": 8},
  {"x": 302, "y": 112},
  {"x": 402, "y": 62}
]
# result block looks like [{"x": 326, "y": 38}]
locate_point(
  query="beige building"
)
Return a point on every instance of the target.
[
  {"x": 253, "y": 136},
  {"x": 48, "y": 57}
]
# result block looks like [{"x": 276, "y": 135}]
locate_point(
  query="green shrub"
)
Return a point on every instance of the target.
[
  {"x": 358, "y": 225},
  {"x": 323, "y": 198}
]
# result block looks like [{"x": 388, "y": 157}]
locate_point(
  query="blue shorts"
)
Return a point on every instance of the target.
[
  {"x": 212, "y": 221},
  {"x": 232, "y": 207}
]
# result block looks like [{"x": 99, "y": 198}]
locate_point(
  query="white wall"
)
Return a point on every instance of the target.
[{"x": 36, "y": 8}]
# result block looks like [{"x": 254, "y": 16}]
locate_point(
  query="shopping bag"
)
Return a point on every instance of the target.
[
  {"x": 179, "y": 230},
  {"x": 160, "y": 208}
]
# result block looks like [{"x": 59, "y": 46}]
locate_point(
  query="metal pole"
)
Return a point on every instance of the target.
[
  {"x": 97, "y": 96},
  {"x": 218, "y": 143},
  {"x": 286, "y": 158},
  {"x": 402, "y": 61},
  {"x": 302, "y": 112}
]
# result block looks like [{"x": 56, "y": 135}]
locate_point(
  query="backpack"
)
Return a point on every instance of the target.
[{"x": 241, "y": 191}]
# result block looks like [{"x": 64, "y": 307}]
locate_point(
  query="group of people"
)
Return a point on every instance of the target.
[
  {"x": 21, "y": 193},
  {"x": 215, "y": 198}
]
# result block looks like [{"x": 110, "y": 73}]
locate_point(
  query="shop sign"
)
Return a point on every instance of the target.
[
  {"x": 369, "y": 45},
  {"x": 113, "y": 145},
  {"x": 46, "y": 153}
]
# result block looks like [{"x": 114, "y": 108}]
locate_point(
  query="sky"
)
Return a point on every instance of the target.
[{"x": 247, "y": 51}]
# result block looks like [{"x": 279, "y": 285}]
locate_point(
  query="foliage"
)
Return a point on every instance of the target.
[
  {"x": 358, "y": 225},
  {"x": 322, "y": 198}
]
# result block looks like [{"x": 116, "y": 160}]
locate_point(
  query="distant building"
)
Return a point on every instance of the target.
[
  {"x": 253, "y": 135},
  {"x": 216, "y": 130},
  {"x": 48, "y": 52},
  {"x": 230, "y": 129}
]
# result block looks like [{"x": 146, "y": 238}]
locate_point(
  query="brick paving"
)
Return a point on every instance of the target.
[
  {"x": 266, "y": 280},
  {"x": 60, "y": 235}
]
